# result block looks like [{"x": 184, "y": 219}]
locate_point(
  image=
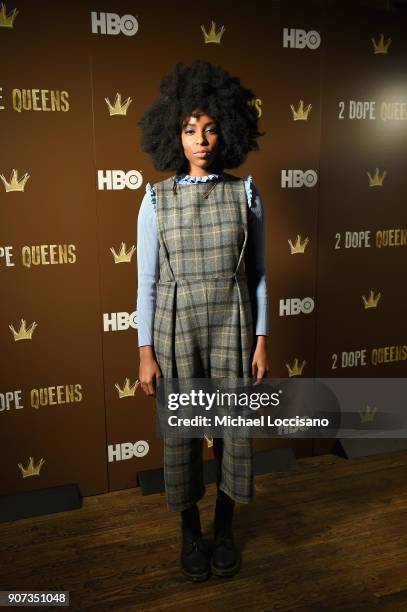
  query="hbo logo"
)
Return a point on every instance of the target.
[
  {"x": 294, "y": 306},
  {"x": 110, "y": 23},
  {"x": 127, "y": 450},
  {"x": 298, "y": 39},
  {"x": 119, "y": 321},
  {"x": 291, "y": 429},
  {"x": 117, "y": 179},
  {"x": 298, "y": 178}
]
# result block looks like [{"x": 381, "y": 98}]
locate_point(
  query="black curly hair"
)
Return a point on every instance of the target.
[{"x": 190, "y": 91}]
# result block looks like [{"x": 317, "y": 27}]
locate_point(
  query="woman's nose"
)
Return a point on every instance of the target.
[{"x": 201, "y": 137}]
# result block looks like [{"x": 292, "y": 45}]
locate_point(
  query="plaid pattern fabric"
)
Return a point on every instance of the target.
[{"x": 203, "y": 325}]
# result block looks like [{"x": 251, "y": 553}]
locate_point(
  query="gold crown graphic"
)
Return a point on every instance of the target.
[
  {"x": 31, "y": 469},
  {"x": 301, "y": 114},
  {"x": 367, "y": 415},
  {"x": 122, "y": 256},
  {"x": 212, "y": 36},
  {"x": 372, "y": 301},
  {"x": 381, "y": 46},
  {"x": 6, "y": 21},
  {"x": 209, "y": 440},
  {"x": 296, "y": 369},
  {"x": 118, "y": 108},
  {"x": 298, "y": 247},
  {"x": 15, "y": 184},
  {"x": 127, "y": 390},
  {"x": 256, "y": 103},
  {"x": 23, "y": 333},
  {"x": 377, "y": 179}
]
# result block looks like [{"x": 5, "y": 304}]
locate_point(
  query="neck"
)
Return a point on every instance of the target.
[
  {"x": 203, "y": 171},
  {"x": 200, "y": 172}
]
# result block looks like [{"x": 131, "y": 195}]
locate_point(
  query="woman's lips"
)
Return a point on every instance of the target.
[{"x": 202, "y": 154}]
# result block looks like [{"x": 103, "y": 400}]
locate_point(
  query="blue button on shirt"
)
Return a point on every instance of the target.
[{"x": 148, "y": 257}]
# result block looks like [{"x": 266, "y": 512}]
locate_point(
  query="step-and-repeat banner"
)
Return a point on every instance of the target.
[{"x": 76, "y": 77}]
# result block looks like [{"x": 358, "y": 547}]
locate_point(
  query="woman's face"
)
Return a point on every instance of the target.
[{"x": 200, "y": 139}]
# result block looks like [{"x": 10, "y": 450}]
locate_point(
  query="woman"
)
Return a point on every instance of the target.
[{"x": 202, "y": 298}]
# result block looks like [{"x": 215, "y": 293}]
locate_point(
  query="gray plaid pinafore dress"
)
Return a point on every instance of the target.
[{"x": 203, "y": 323}]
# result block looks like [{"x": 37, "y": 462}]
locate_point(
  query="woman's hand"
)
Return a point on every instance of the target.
[
  {"x": 260, "y": 366},
  {"x": 149, "y": 370}
]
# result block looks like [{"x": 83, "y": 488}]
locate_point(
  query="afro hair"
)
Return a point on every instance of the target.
[{"x": 191, "y": 90}]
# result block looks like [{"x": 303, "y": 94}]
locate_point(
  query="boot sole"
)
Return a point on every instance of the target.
[
  {"x": 227, "y": 572},
  {"x": 196, "y": 577}
]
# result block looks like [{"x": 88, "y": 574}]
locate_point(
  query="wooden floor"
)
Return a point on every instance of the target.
[{"x": 330, "y": 536}]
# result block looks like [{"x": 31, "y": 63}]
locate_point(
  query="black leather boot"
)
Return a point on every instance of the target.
[
  {"x": 226, "y": 557},
  {"x": 195, "y": 554}
]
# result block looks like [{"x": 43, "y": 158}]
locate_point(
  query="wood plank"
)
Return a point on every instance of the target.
[{"x": 329, "y": 536}]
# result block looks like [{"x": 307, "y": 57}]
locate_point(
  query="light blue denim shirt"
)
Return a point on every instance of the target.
[{"x": 148, "y": 257}]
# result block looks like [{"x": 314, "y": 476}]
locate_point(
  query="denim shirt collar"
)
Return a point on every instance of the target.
[{"x": 187, "y": 178}]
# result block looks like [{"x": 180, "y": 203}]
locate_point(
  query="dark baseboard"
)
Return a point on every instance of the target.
[
  {"x": 39, "y": 501},
  {"x": 362, "y": 447}
]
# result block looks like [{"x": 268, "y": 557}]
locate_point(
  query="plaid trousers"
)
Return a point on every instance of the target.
[{"x": 203, "y": 324}]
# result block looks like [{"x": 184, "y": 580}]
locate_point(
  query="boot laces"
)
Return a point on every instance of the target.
[
  {"x": 194, "y": 543},
  {"x": 197, "y": 546}
]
